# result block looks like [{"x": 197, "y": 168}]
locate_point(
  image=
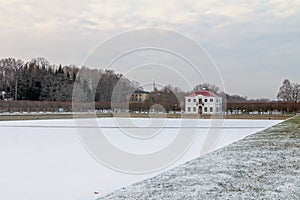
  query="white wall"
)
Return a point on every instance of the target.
[{"x": 208, "y": 103}]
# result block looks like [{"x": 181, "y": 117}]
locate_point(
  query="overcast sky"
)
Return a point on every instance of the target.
[{"x": 256, "y": 44}]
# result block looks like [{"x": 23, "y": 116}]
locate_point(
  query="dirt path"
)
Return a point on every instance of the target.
[{"x": 265, "y": 165}]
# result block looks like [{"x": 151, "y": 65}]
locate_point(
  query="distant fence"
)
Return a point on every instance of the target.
[{"x": 56, "y": 106}]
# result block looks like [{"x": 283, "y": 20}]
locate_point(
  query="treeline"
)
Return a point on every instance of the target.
[
  {"x": 48, "y": 106},
  {"x": 231, "y": 107},
  {"x": 288, "y": 92},
  {"x": 38, "y": 80},
  {"x": 226, "y": 97},
  {"x": 262, "y": 107}
]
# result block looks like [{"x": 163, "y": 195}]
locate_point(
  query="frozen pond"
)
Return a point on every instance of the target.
[{"x": 46, "y": 160}]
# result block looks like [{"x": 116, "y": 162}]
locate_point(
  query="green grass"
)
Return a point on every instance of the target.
[{"x": 294, "y": 120}]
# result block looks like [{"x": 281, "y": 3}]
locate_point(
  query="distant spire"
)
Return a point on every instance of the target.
[{"x": 154, "y": 87}]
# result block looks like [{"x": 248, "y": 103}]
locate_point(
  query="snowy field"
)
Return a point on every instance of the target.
[{"x": 46, "y": 160}]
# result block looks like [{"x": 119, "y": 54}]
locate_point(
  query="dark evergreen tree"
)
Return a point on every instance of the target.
[{"x": 39, "y": 80}]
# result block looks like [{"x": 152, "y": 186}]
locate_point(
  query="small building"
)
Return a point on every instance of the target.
[
  {"x": 138, "y": 96},
  {"x": 203, "y": 102}
]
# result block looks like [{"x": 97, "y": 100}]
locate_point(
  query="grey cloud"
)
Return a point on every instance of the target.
[{"x": 246, "y": 39}]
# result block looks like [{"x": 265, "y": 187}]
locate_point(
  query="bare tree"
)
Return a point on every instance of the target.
[
  {"x": 19, "y": 64},
  {"x": 296, "y": 92},
  {"x": 285, "y": 91},
  {"x": 40, "y": 62},
  {"x": 289, "y": 92},
  {"x": 2, "y": 73},
  {"x": 207, "y": 86}
]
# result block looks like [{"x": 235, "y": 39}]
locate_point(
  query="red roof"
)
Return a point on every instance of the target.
[{"x": 203, "y": 93}]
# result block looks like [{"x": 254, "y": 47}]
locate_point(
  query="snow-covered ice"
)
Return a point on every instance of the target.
[{"x": 46, "y": 160}]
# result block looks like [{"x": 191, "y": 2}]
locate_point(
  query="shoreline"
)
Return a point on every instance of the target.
[{"x": 45, "y": 116}]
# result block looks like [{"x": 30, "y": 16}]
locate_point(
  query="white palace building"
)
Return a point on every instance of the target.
[{"x": 203, "y": 102}]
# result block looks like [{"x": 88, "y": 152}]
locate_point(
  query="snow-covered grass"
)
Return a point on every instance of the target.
[
  {"x": 44, "y": 159},
  {"x": 265, "y": 165}
]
